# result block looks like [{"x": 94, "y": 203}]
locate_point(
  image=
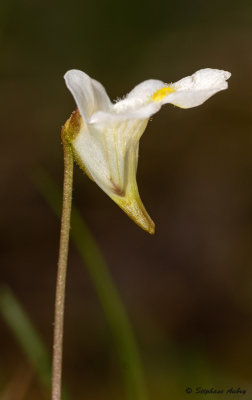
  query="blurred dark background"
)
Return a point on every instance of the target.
[{"x": 188, "y": 289}]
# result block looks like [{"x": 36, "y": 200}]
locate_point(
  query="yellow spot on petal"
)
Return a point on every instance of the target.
[{"x": 161, "y": 93}]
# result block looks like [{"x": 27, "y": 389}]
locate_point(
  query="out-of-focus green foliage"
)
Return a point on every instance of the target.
[
  {"x": 28, "y": 338},
  {"x": 25, "y": 334},
  {"x": 189, "y": 287}
]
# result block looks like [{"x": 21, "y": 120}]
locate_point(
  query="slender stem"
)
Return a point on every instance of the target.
[{"x": 61, "y": 276}]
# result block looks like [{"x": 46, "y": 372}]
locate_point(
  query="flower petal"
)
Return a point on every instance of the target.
[
  {"x": 101, "y": 97},
  {"x": 147, "y": 97},
  {"x": 104, "y": 150},
  {"x": 194, "y": 90},
  {"x": 143, "y": 112},
  {"x": 88, "y": 93},
  {"x": 137, "y": 103}
]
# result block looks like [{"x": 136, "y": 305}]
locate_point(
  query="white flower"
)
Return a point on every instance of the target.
[{"x": 105, "y": 138}]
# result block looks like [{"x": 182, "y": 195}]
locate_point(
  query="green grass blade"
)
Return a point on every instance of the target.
[
  {"x": 112, "y": 305},
  {"x": 26, "y": 335}
]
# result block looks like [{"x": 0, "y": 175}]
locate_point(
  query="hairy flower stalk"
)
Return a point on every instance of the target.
[
  {"x": 62, "y": 269},
  {"x": 106, "y": 144}
]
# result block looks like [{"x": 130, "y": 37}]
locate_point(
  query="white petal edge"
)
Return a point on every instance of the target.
[
  {"x": 88, "y": 93},
  {"x": 194, "y": 90},
  {"x": 139, "y": 96},
  {"x": 142, "y": 112}
]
